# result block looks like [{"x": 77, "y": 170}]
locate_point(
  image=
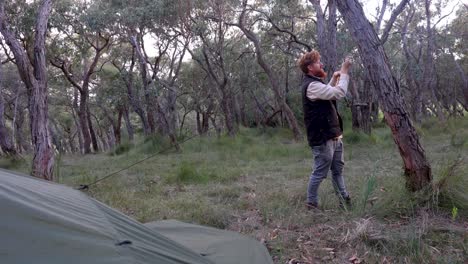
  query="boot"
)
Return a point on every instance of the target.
[
  {"x": 345, "y": 203},
  {"x": 311, "y": 206}
]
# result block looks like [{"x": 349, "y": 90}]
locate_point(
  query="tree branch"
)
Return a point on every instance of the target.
[
  {"x": 440, "y": 19},
  {"x": 68, "y": 75},
  {"x": 394, "y": 16},
  {"x": 22, "y": 60},
  {"x": 382, "y": 12},
  {"x": 282, "y": 30}
]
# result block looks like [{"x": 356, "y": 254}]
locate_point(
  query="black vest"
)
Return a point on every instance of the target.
[{"x": 321, "y": 117}]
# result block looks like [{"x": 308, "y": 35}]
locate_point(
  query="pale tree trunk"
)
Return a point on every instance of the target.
[
  {"x": 199, "y": 123},
  {"x": 238, "y": 111},
  {"x": 422, "y": 98},
  {"x": 216, "y": 126},
  {"x": 367, "y": 101},
  {"x": 381, "y": 13},
  {"x": 117, "y": 127},
  {"x": 99, "y": 44},
  {"x": 375, "y": 112},
  {"x": 243, "y": 109},
  {"x": 150, "y": 102},
  {"x": 70, "y": 138},
  {"x": 84, "y": 109},
  {"x": 223, "y": 92},
  {"x": 185, "y": 112},
  {"x": 213, "y": 63},
  {"x": 6, "y": 143},
  {"x": 169, "y": 112},
  {"x": 321, "y": 30},
  {"x": 355, "y": 114},
  {"x": 34, "y": 75},
  {"x": 21, "y": 143},
  {"x": 261, "y": 114},
  {"x": 430, "y": 74},
  {"x": 360, "y": 109},
  {"x": 396, "y": 12},
  {"x": 465, "y": 82},
  {"x": 128, "y": 124},
  {"x": 133, "y": 97},
  {"x": 77, "y": 123},
  {"x": 82, "y": 117},
  {"x": 417, "y": 168},
  {"x": 416, "y": 106},
  {"x": 116, "y": 123},
  {"x": 91, "y": 130},
  {"x": 331, "y": 37},
  {"x": 110, "y": 137},
  {"x": 203, "y": 119},
  {"x": 57, "y": 137},
  {"x": 361, "y": 103},
  {"x": 102, "y": 134},
  {"x": 167, "y": 121},
  {"x": 158, "y": 119},
  {"x": 222, "y": 82},
  {"x": 15, "y": 117},
  {"x": 104, "y": 143},
  {"x": 287, "y": 69},
  {"x": 281, "y": 117},
  {"x": 280, "y": 100},
  {"x": 326, "y": 35},
  {"x": 228, "y": 114}
]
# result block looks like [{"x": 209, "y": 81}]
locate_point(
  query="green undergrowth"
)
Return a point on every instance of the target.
[{"x": 256, "y": 183}]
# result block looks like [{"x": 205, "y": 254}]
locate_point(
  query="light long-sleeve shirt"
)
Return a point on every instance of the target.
[{"x": 320, "y": 91}]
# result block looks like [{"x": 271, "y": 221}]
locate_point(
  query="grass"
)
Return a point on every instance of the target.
[
  {"x": 255, "y": 183},
  {"x": 10, "y": 163}
]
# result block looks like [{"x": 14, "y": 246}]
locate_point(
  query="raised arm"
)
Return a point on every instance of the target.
[{"x": 335, "y": 89}]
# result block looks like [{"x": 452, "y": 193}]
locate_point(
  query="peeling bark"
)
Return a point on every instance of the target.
[{"x": 416, "y": 166}]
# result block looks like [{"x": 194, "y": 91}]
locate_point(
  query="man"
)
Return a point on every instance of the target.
[{"x": 323, "y": 124}]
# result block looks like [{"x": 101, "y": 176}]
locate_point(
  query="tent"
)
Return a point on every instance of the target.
[{"x": 45, "y": 222}]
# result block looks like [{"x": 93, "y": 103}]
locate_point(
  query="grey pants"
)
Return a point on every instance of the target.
[{"x": 328, "y": 156}]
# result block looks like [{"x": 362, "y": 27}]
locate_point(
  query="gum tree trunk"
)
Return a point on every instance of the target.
[
  {"x": 99, "y": 44},
  {"x": 326, "y": 35},
  {"x": 134, "y": 100},
  {"x": 416, "y": 166},
  {"x": 91, "y": 131},
  {"x": 275, "y": 85},
  {"x": 6, "y": 144},
  {"x": 360, "y": 107},
  {"x": 34, "y": 76},
  {"x": 128, "y": 124}
]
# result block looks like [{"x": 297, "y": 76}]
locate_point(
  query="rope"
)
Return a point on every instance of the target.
[{"x": 86, "y": 186}]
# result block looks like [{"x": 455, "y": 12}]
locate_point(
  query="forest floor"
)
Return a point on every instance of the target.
[{"x": 256, "y": 184}]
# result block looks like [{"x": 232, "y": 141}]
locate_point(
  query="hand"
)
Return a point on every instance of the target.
[
  {"x": 335, "y": 78},
  {"x": 347, "y": 62},
  {"x": 336, "y": 74},
  {"x": 346, "y": 65}
]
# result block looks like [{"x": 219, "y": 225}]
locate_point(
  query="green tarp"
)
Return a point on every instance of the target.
[{"x": 44, "y": 222}]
